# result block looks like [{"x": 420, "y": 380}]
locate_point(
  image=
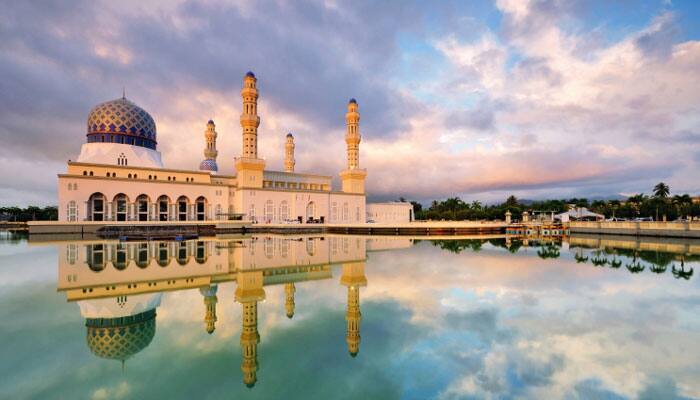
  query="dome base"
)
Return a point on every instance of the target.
[{"x": 111, "y": 153}]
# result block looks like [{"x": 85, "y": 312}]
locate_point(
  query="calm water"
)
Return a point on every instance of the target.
[{"x": 349, "y": 318}]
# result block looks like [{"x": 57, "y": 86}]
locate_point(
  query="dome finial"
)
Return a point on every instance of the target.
[{"x": 124, "y": 92}]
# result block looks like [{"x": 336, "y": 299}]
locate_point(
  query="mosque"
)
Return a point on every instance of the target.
[{"x": 119, "y": 176}]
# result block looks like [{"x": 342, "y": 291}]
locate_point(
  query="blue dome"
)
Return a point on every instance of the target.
[
  {"x": 290, "y": 134},
  {"x": 352, "y": 101},
  {"x": 121, "y": 121},
  {"x": 250, "y": 74},
  {"x": 208, "y": 165}
]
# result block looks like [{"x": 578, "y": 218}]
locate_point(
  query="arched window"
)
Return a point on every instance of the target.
[
  {"x": 251, "y": 212},
  {"x": 182, "y": 253},
  {"x": 310, "y": 211},
  {"x": 345, "y": 212},
  {"x": 201, "y": 209},
  {"x": 269, "y": 211},
  {"x": 163, "y": 203},
  {"x": 96, "y": 257},
  {"x": 284, "y": 211},
  {"x": 142, "y": 255},
  {"x": 334, "y": 212},
  {"x": 310, "y": 246},
  {"x": 182, "y": 205},
  {"x": 163, "y": 254},
  {"x": 269, "y": 247},
  {"x": 96, "y": 207},
  {"x": 142, "y": 207},
  {"x": 121, "y": 262},
  {"x": 121, "y": 207},
  {"x": 72, "y": 211}
]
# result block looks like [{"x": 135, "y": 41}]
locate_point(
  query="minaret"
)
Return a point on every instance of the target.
[
  {"x": 249, "y": 167},
  {"x": 352, "y": 135},
  {"x": 248, "y": 293},
  {"x": 289, "y": 154},
  {"x": 289, "y": 291},
  {"x": 353, "y": 277},
  {"x": 353, "y": 178},
  {"x": 210, "y": 152},
  {"x": 249, "y": 117},
  {"x": 210, "y": 301}
]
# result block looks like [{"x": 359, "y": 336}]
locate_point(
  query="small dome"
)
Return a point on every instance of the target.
[
  {"x": 208, "y": 165},
  {"x": 121, "y": 121},
  {"x": 290, "y": 134},
  {"x": 352, "y": 101},
  {"x": 211, "y": 122},
  {"x": 120, "y": 338},
  {"x": 250, "y": 74}
]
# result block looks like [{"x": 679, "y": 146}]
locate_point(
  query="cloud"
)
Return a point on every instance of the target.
[{"x": 455, "y": 102}]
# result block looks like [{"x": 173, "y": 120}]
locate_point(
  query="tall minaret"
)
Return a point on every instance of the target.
[
  {"x": 289, "y": 153},
  {"x": 249, "y": 168},
  {"x": 249, "y": 292},
  {"x": 289, "y": 291},
  {"x": 210, "y": 152},
  {"x": 353, "y": 178},
  {"x": 353, "y": 277},
  {"x": 249, "y": 117},
  {"x": 352, "y": 134},
  {"x": 210, "y": 301}
]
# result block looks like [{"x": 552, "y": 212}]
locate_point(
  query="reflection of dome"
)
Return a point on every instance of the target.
[
  {"x": 121, "y": 121},
  {"x": 353, "y": 354},
  {"x": 208, "y": 165},
  {"x": 120, "y": 338}
]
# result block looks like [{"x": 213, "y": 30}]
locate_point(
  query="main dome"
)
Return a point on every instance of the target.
[
  {"x": 121, "y": 121},
  {"x": 120, "y": 338}
]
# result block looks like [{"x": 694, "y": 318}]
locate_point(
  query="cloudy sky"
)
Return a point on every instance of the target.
[{"x": 476, "y": 99}]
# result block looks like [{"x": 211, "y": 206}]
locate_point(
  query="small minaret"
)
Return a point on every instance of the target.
[
  {"x": 289, "y": 290},
  {"x": 353, "y": 178},
  {"x": 210, "y": 152},
  {"x": 249, "y": 117},
  {"x": 289, "y": 153},
  {"x": 353, "y": 277},
  {"x": 352, "y": 135},
  {"x": 249, "y": 168},
  {"x": 210, "y": 301}
]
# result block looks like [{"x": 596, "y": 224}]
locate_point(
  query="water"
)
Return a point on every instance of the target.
[{"x": 348, "y": 317}]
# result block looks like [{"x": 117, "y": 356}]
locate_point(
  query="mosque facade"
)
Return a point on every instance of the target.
[{"x": 119, "y": 175}]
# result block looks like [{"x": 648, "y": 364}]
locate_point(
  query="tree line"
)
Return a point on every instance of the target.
[
  {"x": 31, "y": 213},
  {"x": 657, "y": 205}
]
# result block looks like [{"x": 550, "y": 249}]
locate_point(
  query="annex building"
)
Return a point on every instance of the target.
[{"x": 119, "y": 175}]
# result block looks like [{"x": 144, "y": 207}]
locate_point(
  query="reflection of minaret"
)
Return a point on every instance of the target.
[
  {"x": 248, "y": 293},
  {"x": 210, "y": 300},
  {"x": 289, "y": 291},
  {"x": 353, "y": 277}
]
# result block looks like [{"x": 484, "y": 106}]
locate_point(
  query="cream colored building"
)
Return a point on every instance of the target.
[
  {"x": 395, "y": 211},
  {"x": 119, "y": 175}
]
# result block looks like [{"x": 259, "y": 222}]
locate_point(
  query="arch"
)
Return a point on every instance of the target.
[
  {"x": 310, "y": 246},
  {"x": 284, "y": 211},
  {"x": 201, "y": 208},
  {"x": 345, "y": 211},
  {"x": 269, "y": 211},
  {"x": 96, "y": 207},
  {"x": 121, "y": 260},
  {"x": 183, "y": 204},
  {"x": 121, "y": 207},
  {"x": 163, "y": 254},
  {"x": 142, "y": 202},
  {"x": 183, "y": 254},
  {"x": 96, "y": 257},
  {"x": 310, "y": 211},
  {"x": 142, "y": 259},
  {"x": 163, "y": 204},
  {"x": 201, "y": 253}
]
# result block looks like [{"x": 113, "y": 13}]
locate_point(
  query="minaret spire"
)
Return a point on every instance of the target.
[
  {"x": 289, "y": 290},
  {"x": 289, "y": 154},
  {"x": 210, "y": 152},
  {"x": 249, "y": 117},
  {"x": 352, "y": 135}
]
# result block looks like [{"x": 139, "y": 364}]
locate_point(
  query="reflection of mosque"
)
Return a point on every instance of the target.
[{"x": 118, "y": 286}]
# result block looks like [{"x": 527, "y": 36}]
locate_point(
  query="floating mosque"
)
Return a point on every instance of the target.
[{"x": 119, "y": 176}]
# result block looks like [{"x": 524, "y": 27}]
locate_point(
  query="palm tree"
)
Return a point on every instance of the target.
[{"x": 661, "y": 190}]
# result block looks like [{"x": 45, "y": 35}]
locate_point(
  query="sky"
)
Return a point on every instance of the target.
[{"x": 540, "y": 98}]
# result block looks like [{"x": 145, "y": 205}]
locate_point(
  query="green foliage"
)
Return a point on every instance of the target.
[{"x": 31, "y": 213}]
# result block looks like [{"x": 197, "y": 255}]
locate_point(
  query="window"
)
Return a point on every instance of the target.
[
  {"x": 269, "y": 211},
  {"x": 182, "y": 209},
  {"x": 72, "y": 211},
  {"x": 163, "y": 208},
  {"x": 345, "y": 212},
  {"x": 121, "y": 207},
  {"x": 334, "y": 211},
  {"x": 201, "y": 209},
  {"x": 251, "y": 213},
  {"x": 284, "y": 211},
  {"x": 142, "y": 205}
]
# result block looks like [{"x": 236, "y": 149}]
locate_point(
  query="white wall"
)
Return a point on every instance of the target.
[{"x": 390, "y": 212}]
